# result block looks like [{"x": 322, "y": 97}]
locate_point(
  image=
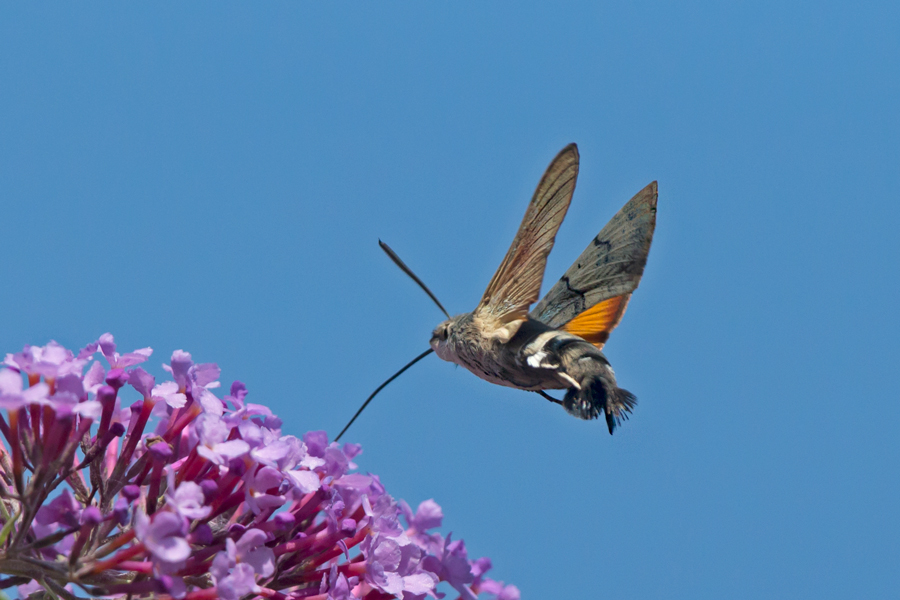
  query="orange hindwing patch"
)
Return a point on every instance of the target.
[{"x": 597, "y": 322}]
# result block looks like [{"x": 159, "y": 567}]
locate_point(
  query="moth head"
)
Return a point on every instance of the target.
[
  {"x": 440, "y": 337},
  {"x": 441, "y": 333}
]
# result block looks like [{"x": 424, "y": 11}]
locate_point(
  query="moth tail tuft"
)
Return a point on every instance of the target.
[
  {"x": 618, "y": 409},
  {"x": 597, "y": 396}
]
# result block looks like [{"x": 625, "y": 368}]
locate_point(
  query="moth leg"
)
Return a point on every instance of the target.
[{"x": 548, "y": 396}]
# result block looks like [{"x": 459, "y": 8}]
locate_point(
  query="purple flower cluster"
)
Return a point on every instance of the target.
[{"x": 184, "y": 494}]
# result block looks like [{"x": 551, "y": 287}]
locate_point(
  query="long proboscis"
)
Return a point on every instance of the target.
[
  {"x": 397, "y": 261},
  {"x": 381, "y": 387},
  {"x": 393, "y": 256}
]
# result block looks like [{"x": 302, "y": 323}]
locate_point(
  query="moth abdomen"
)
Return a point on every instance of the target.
[
  {"x": 599, "y": 396},
  {"x": 594, "y": 390}
]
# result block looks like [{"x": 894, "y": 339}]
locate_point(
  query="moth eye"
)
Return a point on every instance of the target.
[{"x": 441, "y": 333}]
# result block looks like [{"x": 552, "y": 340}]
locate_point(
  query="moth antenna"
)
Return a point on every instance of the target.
[
  {"x": 381, "y": 387},
  {"x": 393, "y": 256}
]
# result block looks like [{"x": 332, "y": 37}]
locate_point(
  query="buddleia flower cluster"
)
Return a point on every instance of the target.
[{"x": 184, "y": 494}]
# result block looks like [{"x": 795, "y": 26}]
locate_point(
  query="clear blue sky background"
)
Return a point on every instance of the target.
[{"x": 215, "y": 176}]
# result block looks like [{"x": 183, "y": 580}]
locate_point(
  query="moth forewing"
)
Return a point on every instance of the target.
[
  {"x": 517, "y": 282},
  {"x": 611, "y": 265}
]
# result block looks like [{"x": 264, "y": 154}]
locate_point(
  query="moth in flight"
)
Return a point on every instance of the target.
[{"x": 556, "y": 345}]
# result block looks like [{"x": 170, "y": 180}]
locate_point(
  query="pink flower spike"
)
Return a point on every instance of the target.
[
  {"x": 179, "y": 365},
  {"x": 117, "y": 361},
  {"x": 10, "y": 382},
  {"x": 142, "y": 381},
  {"x": 168, "y": 391},
  {"x": 187, "y": 499},
  {"x": 201, "y": 495},
  {"x": 164, "y": 536},
  {"x": 93, "y": 379},
  {"x": 502, "y": 592}
]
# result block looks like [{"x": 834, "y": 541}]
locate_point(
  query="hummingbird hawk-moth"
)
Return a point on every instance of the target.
[{"x": 557, "y": 344}]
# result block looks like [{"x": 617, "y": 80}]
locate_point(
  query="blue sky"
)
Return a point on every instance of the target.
[{"x": 214, "y": 177}]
